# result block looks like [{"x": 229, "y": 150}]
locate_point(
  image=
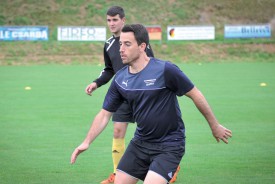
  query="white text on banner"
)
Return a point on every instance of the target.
[{"x": 74, "y": 33}]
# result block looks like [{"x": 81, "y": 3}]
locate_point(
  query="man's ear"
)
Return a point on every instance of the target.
[
  {"x": 123, "y": 20},
  {"x": 142, "y": 46}
]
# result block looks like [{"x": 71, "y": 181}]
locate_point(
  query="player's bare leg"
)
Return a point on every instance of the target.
[
  {"x": 124, "y": 178},
  {"x": 154, "y": 178}
]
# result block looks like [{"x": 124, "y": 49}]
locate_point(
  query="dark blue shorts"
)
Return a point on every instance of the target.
[
  {"x": 123, "y": 114},
  {"x": 140, "y": 157}
]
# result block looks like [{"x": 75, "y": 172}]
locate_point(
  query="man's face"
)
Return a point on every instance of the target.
[
  {"x": 115, "y": 24},
  {"x": 129, "y": 49}
]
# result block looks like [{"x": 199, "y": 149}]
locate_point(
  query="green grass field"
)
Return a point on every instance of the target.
[{"x": 41, "y": 127}]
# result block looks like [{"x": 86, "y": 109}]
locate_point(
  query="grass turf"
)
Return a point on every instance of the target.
[{"x": 41, "y": 127}]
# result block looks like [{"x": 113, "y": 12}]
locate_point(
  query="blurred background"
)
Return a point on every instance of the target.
[
  {"x": 45, "y": 113},
  {"x": 54, "y": 13}
]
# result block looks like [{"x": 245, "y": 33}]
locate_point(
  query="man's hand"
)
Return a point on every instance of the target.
[
  {"x": 221, "y": 133},
  {"x": 81, "y": 148},
  {"x": 90, "y": 88}
]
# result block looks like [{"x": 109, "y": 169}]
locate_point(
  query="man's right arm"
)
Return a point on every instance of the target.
[
  {"x": 100, "y": 122},
  {"x": 113, "y": 100},
  {"x": 105, "y": 76}
]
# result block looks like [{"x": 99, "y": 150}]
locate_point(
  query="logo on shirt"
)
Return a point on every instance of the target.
[
  {"x": 125, "y": 83},
  {"x": 150, "y": 82}
]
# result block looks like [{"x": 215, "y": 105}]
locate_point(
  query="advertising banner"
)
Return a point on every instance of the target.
[
  {"x": 74, "y": 33},
  {"x": 155, "y": 32},
  {"x": 190, "y": 32},
  {"x": 24, "y": 33},
  {"x": 247, "y": 31}
]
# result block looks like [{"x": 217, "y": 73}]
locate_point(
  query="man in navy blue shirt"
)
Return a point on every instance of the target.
[{"x": 151, "y": 87}]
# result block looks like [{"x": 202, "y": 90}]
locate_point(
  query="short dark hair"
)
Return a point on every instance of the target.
[
  {"x": 140, "y": 33},
  {"x": 116, "y": 10}
]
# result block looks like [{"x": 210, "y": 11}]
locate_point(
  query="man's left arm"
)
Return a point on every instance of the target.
[{"x": 218, "y": 131}]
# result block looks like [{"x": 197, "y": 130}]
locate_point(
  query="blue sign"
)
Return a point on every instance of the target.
[
  {"x": 247, "y": 31},
  {"x": 24, "y": 33}
]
